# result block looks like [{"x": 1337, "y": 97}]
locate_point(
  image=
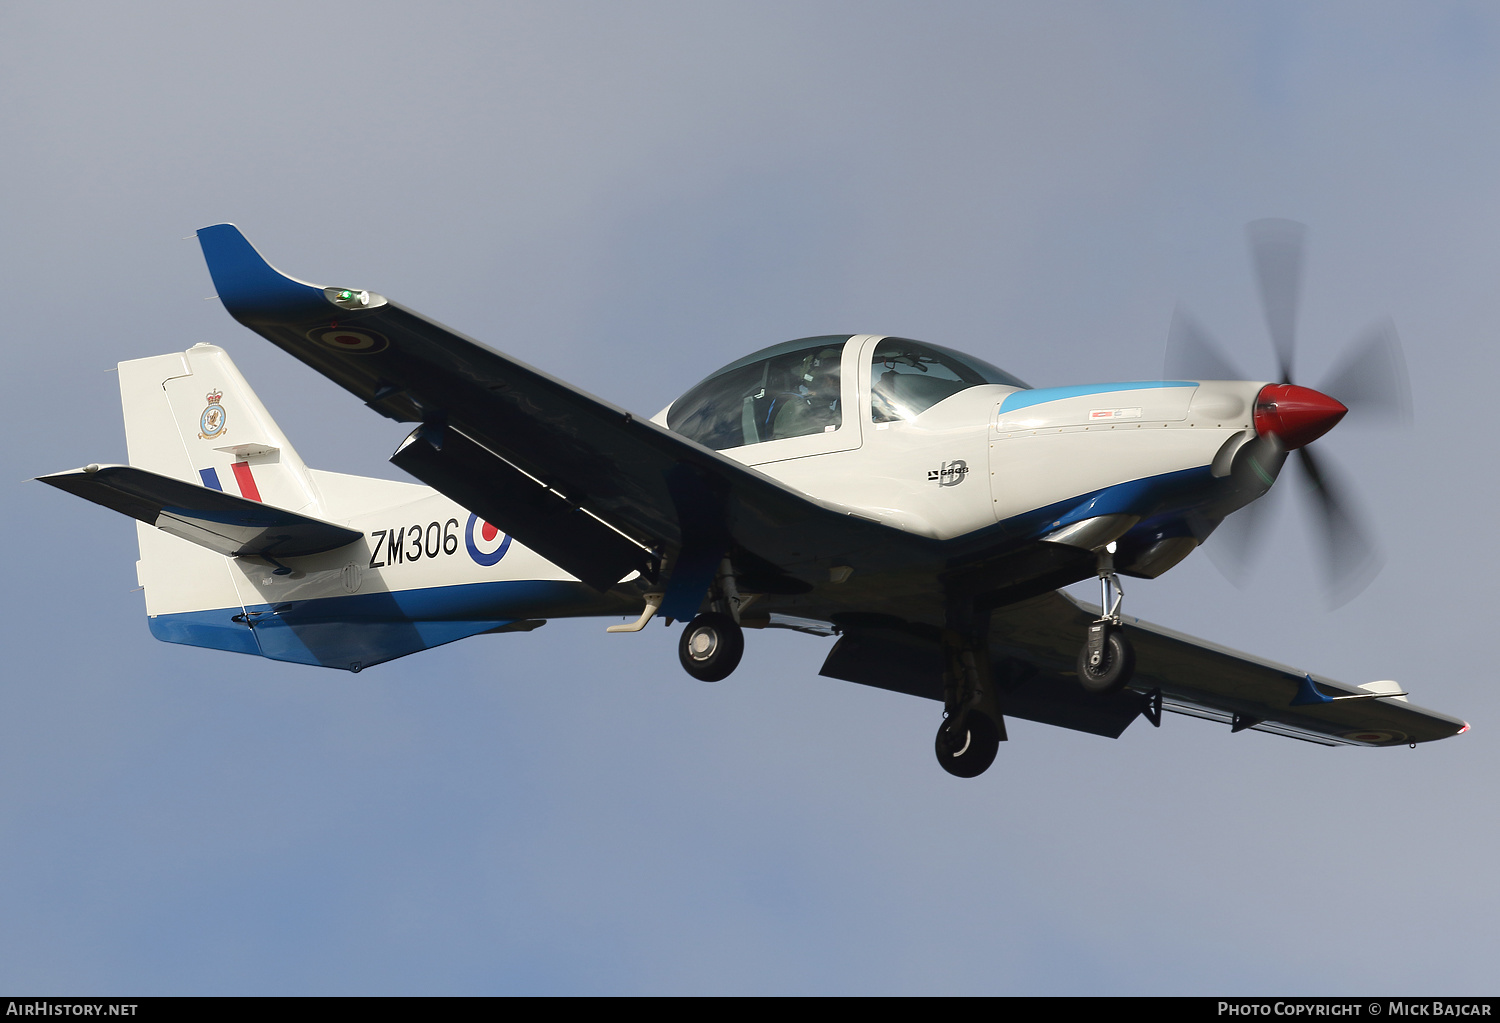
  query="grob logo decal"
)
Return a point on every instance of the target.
[
  {"x": 487, "y": 545},
  {"x": 949, "y": 474}
]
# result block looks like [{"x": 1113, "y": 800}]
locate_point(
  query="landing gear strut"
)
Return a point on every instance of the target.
[
  {"x": 972, "y": 727},
  {"x": 713, "y": 643},
  {"x": 1107, "y": 659}
]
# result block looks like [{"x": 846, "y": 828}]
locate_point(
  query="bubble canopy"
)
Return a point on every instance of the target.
[{"x": 795, "y": 389}]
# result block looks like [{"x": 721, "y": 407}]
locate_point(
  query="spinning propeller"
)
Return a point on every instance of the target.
[{"x": 1369, "y": 383}]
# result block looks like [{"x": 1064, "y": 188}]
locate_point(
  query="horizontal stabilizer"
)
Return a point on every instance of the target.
[{"x": 230, "y": 525}]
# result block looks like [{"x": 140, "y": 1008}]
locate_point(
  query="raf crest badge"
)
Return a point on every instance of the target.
[{"x": 211, "y": 422}]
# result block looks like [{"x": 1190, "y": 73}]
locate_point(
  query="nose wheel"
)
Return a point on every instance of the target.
[
  {"x": 711, "y": 646},
  {"x": 1107, "y": 659}
]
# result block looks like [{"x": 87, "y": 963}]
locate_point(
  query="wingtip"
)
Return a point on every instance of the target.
[{"x": 248, "y": 285}]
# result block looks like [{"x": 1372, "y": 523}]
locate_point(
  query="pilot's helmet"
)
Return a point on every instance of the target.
[{"x": 821, "y": 369}]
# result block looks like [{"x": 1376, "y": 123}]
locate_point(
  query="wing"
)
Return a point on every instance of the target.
[
  {"x": 589, "y": 486},
  {"x": 1033, "y": 646}
]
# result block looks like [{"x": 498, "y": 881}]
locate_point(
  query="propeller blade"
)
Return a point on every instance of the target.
[
  {"x": 1371, "y": 378},
  {"x": 1192, "y": 353},
  {"x": 1351, "y": 558},
  {"x": 1233, "y": 545},
  {"x": 1276, "y": 247}
]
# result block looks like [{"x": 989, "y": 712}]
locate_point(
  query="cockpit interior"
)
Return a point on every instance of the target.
[{"x": 796, "y": 389}]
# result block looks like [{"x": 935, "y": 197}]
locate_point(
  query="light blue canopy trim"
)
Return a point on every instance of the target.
[{"x": 1039, "y": 395}]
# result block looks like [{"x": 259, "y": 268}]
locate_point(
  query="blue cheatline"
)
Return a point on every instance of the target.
[
  {"x": 1144, "y": 497},
  {"x": 358, "y": 630}
]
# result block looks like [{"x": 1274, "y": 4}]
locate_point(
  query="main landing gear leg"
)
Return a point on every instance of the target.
[
  {"x": 972, "y": 729},
  {"x": 1107, "y": 659},
  {"x": 713, "y": 643}
]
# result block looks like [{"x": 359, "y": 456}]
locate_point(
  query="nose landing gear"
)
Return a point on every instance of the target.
[{"x": 1107, "y": 660}]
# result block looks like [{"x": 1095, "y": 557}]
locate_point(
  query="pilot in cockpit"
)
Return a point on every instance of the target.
[{"x": 814, "y": 406}]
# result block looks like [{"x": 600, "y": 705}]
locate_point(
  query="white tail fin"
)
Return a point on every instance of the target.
[{"x": 193, "y": 417}]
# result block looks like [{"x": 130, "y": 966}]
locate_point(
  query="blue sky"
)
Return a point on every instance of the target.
[{"x": 629, "y": 196}]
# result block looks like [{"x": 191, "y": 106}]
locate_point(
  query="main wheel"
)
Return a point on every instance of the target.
[
  {"x": 1113, "y": 670},
  {"x": 967, "y": 743},
  {"x": 711, "y": 646}
]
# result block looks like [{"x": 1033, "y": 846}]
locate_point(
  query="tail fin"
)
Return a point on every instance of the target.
[{"x": 191, "y": 416}]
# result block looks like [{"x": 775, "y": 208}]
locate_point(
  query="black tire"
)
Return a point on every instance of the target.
[
  {"x": 711, "y": 647},
  {"x": 1113, "y": 672},
  {"x": 967, "y": 743}
]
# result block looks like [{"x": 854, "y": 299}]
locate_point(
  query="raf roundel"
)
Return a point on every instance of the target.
[
  {"x": 354, "y": 342},
  {"x": 486, "y": 544}
]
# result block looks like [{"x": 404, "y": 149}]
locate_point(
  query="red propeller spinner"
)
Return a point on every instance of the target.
[{"x": 1296, "y": 415}]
